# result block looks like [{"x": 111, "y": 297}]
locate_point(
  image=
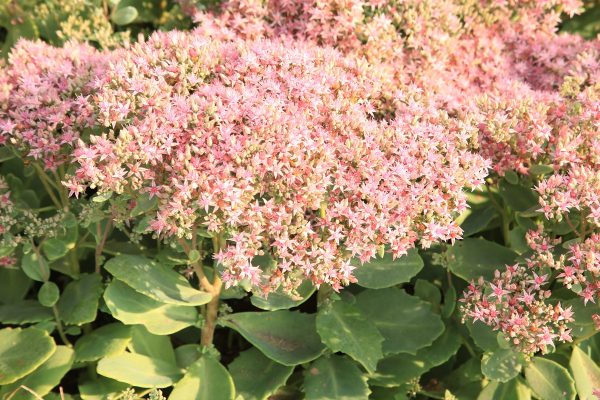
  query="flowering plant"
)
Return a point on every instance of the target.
[{"x": 400, "y": 197}]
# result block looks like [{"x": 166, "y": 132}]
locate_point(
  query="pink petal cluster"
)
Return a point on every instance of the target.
[
  {"x": 516, "y": 303},
  {"x": 44, "y": 98},
  {"x": 276, "y": 146}
]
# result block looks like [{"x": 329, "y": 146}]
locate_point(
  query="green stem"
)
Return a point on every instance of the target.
[
  {"x": 47, "y": 183},
  {"x": 59, "y": 327}
]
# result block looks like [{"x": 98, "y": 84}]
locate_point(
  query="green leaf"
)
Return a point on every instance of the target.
[
  {"x": 139, "y": 370},
  {"x": 483, "y": 335},
  {"x": 156, "y": 281},
  {"x": 335, "y": 377},
  {"x": 101, "y": 388},
  {"x": 548, "y": 380},
  {"x": 256, "y": 377},
  {"x": 35, "y": 267},
  {"x": 501, "y": 365},
  {"x": 124, "y": 16},
  {"x": 478, "y": 220},
  {"x": 132, "y": 308},
  {"x": 154, "y": 346},
  {"x": 406, "y": 322},
  {"x": 187, "y": 354},
  {"x": 428, "y": 292},
  {"x": 399, "y": 369},
  {"x": 78, "y": 304},
  {"x": 512, "y": 390},
  {"x": 472, "y": 258},
  {"x": 278, "y": 300},
  {"x": 105, "y": 341},
  {"x": 205, "y": 379},
  {"x": 14, "y": 285},
  {"x": 24, "y": 312},
  {"x": 385, "y": 272},
  {"x": 449, "y": 302},
  {"x": 54, "y": 248},
  {"x": 45, "y": 377},
  {"x": 22, "y": 351},
  {"x": 586, "y": 373},
  {"x": 511, "y": 177},
  {"x": 517, "y": 197},
  {"x": 48, "y": 294},
  {"x": 344, "y": 328},
  {"x": 287, "y": 337}
]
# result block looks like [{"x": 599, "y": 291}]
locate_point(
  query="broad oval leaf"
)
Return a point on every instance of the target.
[
  {"x": 24, "y": 312},
  {"x": 45, "y": 377},
  {"x": 139, "y": 370},
  {"x": 256, "y": 377},
  {"x": 156, "y": 281},
  {"x": 280, "y": 301},
  {"x": 154, "y": 346},
  {"x": 344, "y": 328},
  {"x": 123, "y": 16},
  {"x": 101, "y": 388},
  {"x": 22, "y": 351},
  {"x": 549, "y": 380},
  {"x": 105, "y": 341},
  {"x": 406, "y": 323},
  {"x": 35, "y": 266},
  {"x": 205, "y": 379},
  {"x": 287, "y": 337},
  {"x": 586, "y": 373},
  {"x": 55, "y": 248},
  {"x": 512, "y": 390},
  {"x": 516, "y": 196},
  {"x": 386, "y": 272},
  {"x": 132, "y": 308},
  {"x": 501, "y": 365},
  {"x": 14, "y": 285},
  {"x": 472, "y": 258},
  {"x": 48, "y": 294},
  {"x": 78, "y": 304},
  {"x": 335, "y": 377}
]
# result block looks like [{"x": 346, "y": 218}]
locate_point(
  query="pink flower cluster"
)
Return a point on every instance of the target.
[
  {"x": 275, "y": 146},
  {"x": 516, "y": 303},
  {"x": 44, "y": 98}
]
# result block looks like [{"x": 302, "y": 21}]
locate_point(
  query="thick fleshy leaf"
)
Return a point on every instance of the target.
[
  {"x": 45, "y": 377},
  {"x": 156, "y": 281},
  {"x": 344, "y": 328},
  {"x": 386, "y": 272},
  {"x": 132, "y": 308},
  {"x": 22, "y": 351},
  {"x": 139, "y": 370},
  {"x": 101, "y": 388},
  {"x": 14, "y": 285},
  {"x": 399, "y": 369},
  {"x": 205, "y": 379},
  {"x": 478, "y": 220},
  {"x": 287, "y": 337},
  {"x": 154, "y": 346},
  {"x": 501, "y": 365},
  {"x": 78, "y": 304},
  {"x": 280, "y": 301},
  {"x": 256, "y": 377},
  {"x": 105, "y": 341},
  {"x": 124, "y": 16},
  {"x": 483, "y": 335},
  {"x": 586, "y": 373},
  {"x": 512, "y": 390},
  {"x": 35, "y": 266},
  {"x": 472, "y": 258},
  {"x": 55, "y": 248},
  {"x": 187, "y": 354},
  {"x": 335, "y": 377},
  {"x": 24, "y": 312},
  {"x": 48, "y": 294},
  {"x": 549, "y": 380},
  {"x": 517, "y": 197},
  {"x": 406, "y": 322}
]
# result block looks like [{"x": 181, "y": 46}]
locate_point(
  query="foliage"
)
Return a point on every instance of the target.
[{"x": 338, "y": 199}]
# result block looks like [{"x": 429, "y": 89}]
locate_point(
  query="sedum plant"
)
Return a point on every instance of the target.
[{"x": 301, "y": 200}]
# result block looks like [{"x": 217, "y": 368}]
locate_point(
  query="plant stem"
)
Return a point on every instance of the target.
[
  {"x": 212, "y": 308},
  {"x": 46, "y": 182},
  {"x": 100, "y": 246},
  {"x": 59, "y": 327}
]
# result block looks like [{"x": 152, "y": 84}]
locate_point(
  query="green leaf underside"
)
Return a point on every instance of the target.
[
  {"x": 549, "y": 380},
  {"x": 139, "y": 370},
  {"x": 406, "y": 323},
  {"x": 131, "y": 308},
  {"x": 287, "y": 337},
  {"x": 386, "y": 272},
  {"x": 344, "y": 328},
  {"x": 335, "y": 377},
  {"x": 205, "y": 379},
  {"x": 586, "y": 373},
  {"x": 279, "y": 301},
  {"x": 156, "y": 281}
]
